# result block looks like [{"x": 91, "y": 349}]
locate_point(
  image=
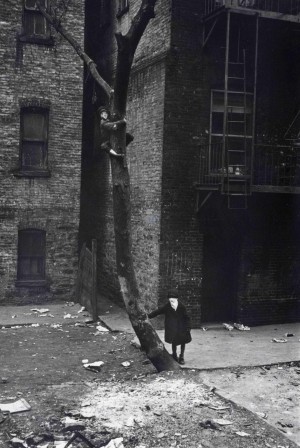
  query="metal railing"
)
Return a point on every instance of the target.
[
  {"x": 273, "y": 165},
  {"x": 276, "y": 165},
  {"x": 291, "y": 7}
]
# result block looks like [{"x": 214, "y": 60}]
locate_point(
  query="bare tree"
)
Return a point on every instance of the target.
[{"x": 117, "y": 96}]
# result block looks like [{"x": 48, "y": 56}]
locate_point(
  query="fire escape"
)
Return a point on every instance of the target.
[{"x": 233, "y": 161}]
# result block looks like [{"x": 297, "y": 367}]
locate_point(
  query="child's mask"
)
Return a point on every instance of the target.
[{"x": 174, "y": 303}]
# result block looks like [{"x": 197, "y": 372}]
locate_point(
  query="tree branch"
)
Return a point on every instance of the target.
[
  {"x": 127, "y": 45},
  {"x": 92, "y": 67},
  {"x": 140, "y": 22}
]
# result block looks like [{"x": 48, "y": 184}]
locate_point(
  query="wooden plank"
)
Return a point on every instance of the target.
[
  {"x": 94, "y": 281},
  {"x": 79, "y": 275}
]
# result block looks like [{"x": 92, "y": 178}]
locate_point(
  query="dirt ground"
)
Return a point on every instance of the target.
[{"x": 44, "y": 366}]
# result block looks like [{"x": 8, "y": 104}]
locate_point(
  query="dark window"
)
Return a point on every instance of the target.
[
  {"x": 34, "y": 139},
  {"x": 35, "y": 25},
  {"x": 123, "y": 7},
  {"x": 31, "y": 255}
]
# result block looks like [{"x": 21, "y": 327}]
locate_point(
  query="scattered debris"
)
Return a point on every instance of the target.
[
  {"x": 69, "y": 316},
  {"x": 241, "y": 327},
  {"x": 204, "y": 328},
  {"x": 228, "y": 327},
  {"x": 81, "y": 309},
  {"x": 101, "y": 329},
  {"x": 18, "y": 443},
  {"x": 222, "y": 422},
  {"x": 218, "y": 408},
  {"x": 40, "y": 310},
  {"x": 261, "y": 414},
  {"x": 126, "y": 364},
  {"x": 77, "y": 435},
  {"x": 4, "y": 380},
  {"x": 279, "y": 340},
  {"x": 72, "y": 425},
  {"x": 55, "y": 325},
  {"x": 285, "y": 425},
  {"x": 94, "y": 366},
  {"x": 209, "y": 424},
  {"x": 115, "y": 443},
  {"x": 289, "y": 335},
  {"x": 242, "y": 434},
  {"x": 35, "y": 325},
  {"x": 130, "y": 421},
  {"x": 20, "y": 405}
]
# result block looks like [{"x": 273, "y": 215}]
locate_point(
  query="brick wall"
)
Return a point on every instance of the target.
[
  {"x": 181, "y": 241},
  {"x": 39, "y": 75}
]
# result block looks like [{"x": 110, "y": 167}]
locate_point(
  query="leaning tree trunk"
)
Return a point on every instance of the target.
[
  {"x": 144, "y": 330},
  {"x": 127, "y": 45}
]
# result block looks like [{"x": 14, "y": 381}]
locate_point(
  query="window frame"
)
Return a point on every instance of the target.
[
  {"x": 34, "y": 170},
  {"x": 36, "y": 38},
  {"x": 40, "y": 260},
  {"x": 123, "y": 8}
]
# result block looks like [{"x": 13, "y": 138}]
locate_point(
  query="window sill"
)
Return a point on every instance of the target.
[
  {"x": 31, "y": 283},
  {"x": 37, "y": 40},
  {"x": 32, "y": 173},
  {"x": 122, "y": 12}
]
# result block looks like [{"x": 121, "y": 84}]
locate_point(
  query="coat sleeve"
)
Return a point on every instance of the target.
[
  {"x": 157, "y": 312},
  {"x": 186, "y": 318}
]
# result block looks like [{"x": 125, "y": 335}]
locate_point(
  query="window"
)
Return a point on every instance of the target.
[
  {"x": 35, "y": 25},
  {"x": 34, "y": 140},
  {"x": 123, "y": 7},
  {"x": 31, "y": 255}
]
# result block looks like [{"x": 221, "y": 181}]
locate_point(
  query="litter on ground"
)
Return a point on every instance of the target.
[
  {"x": 279, "y": 340},
  {"x": 242, "y": 434},
  {"x": 228, "y": 327},
  {"x": 241, "y": 327},
  {"x": 222, "y": 422},
  {"x": 94, "y": 366},
  {"x": 102, "y": 329},
  {"x": 20, "y": 405},
  {"x": 40, "y": 310},
  {"x": 126, "y": 364}
]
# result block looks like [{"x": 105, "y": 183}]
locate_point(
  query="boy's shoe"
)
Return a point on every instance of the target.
[
  {"x": 175, "y": 357},
  {"x": 181, "y": 360}
]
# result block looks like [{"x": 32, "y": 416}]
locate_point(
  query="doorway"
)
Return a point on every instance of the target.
[{"x": 221, "y": 260}]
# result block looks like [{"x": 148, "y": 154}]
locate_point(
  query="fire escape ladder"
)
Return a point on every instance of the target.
[{"x": 237, "y": 171}]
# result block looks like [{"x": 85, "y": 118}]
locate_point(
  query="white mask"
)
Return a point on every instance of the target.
[{"x": 174, "y": 303}]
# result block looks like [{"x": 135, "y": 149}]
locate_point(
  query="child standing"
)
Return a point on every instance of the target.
[{"x": 177, "y": 325}]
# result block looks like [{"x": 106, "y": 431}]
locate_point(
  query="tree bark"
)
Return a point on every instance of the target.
[{"x": 127, "y": 44}]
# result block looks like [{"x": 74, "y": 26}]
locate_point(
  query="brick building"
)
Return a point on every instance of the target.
[
  {"x": 40, "y": 157},
  {"x": 213, "y": 105}
]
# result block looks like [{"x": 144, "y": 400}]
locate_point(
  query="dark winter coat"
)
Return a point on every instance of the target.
[{"x": 177, "y": 323}]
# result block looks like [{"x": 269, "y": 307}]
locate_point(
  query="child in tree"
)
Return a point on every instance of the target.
[{"x": 107, "y": 127}]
